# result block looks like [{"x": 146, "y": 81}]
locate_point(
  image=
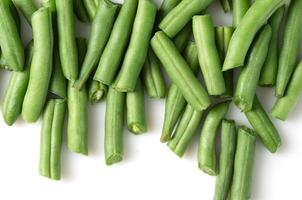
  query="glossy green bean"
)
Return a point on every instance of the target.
[
  {"x": 51, "y": 139},
  {"x": 138, "y": 47},
  {"x": 290, "y": 46},
  {"x": 185, "y": 130},
  {"x": 10, "y": 40},
  {"x": 284, "y": 105},
  {"x": 91, "y": 8},
  {"x": 114, "y": 122},
  {"x": 228, "y": 75},
  {"x": 243, "y": 164},
  {"x": 26, "y": 7},
  {"x": 41, "y": 66},
  {"x": 96, "y": 91},
  {"x": 204, "y": 34},
  {"x": 80, "y": 10},
  {"x": 110, "y": 62},
  {"x": 263, "y": 126},
  {"x": 100, "y": 31},
  {"x": 249, "y": 76},
  {"x": 177, "y": 18},
  {"x": 179, "y": 71},
  {"x": 206, "y": 149},
  {"x": 226, "y": 5},
  {"x": 14, "y": 96},
  {"x": 256, "y": 16},
  {"x": 226, "y": 160},
  {"x": 239, "y": 9}
]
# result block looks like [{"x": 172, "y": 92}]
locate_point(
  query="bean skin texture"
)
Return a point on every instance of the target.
[
  {"x": 91, "y": 8},
  {"x": 80, "y": 11},
  {"x": 138, "y": 47},
  {"x": 256, "y": 16},
  {"x": 96, "y": 91},
  {"x": 26, "y": 7},
  {"x": 239, "y": 9},
  {"x": 166, "y": 7},
  {"x": 37, "y": 90}
]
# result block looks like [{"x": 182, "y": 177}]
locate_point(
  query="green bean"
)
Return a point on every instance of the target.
[
  {"x": 226, "y": 5},
  {"x": 110, "y": 62},
  {"x": 10, "y": 40},
  {"x": 100, "y": 31},
  {"x": 179, "y": 71},
  {"x": 182, "y": 38},
  {"x": 27, "y": 8},
  {"x": 256, "y": 16},
  {"x": 177, "y": 18},
  {"x": 226, "y": 160},
  {"x": 80, "y": 10},
  {"x": 284, "y": 105},
  {"x": 219, "y": 37},
  {"x": 138, "y": 47},
  {"x": 240, "y": 7},
  {"x": 208, "y": 55},
  {"x": 166, "y": 7},
  {"x": 96, "y": 91},
  {"x": 114, "y": 121},
  {"x": 290, "y": 46},
  {"x": 13, "y": 99},
  {"x": 228, "y": 75},
  {"x": 66, "y": 39},
  {"x": 243, "y": 164},
  {"x": 270, "y": 67},
  {"x": 185, "y": 130},
  {"x": 206, "y": 148},
  {"x": 51, "y": 139},
  {"x": 136, "y": 116},
  {"x": 41, "y": 66},
  {"x": 91, "y": 8},
  {"x": 263, "y": 126},
  {"x": 249, "y": 75}
]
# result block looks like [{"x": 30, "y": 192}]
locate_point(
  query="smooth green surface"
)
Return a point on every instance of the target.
[
  {"x": 91, "y": 8},
  {"x": 26, "y": 7},
  {"x": 183, "y": 37},
  {"x": 80, "y": 10},
  {"x": 96, "y": 91},
  {"x": 166, "y": 7},
  {"x": 239, "y": 9}
]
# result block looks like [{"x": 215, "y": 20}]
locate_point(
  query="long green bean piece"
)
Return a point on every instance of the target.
[
  {"x": 206, "y": 149},
  {"x": 26, "y": 7},
  {"x": 80, "y": 11},
  {"x": 263, "y": 126},
  {"x": 249, "y": 76},
  {"x": 138, "y": 47},
  {"x": 239, "y": 9},
  {"x": 51, "y": 139},
  {"x": 243, "y": 164},
  {"x": 96, "y": 91},
  {"x": 91, "y": 8}
]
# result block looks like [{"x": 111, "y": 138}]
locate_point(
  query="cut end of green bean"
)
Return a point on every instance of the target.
[
  {"x": 137, "y": 128},
  {"x": 165, "y": 138},
  {"x": 114, "y": 158},
  {"x": 208, "y": 170},
  {"x": 242, "y": 104},
  {"x": 247, "y": 131}
]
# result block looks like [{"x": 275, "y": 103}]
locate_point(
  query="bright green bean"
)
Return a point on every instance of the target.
[
  {"x": 263, "y": 126},
  {"x": 226, "y": 160},
  {"x": 91, "y": 8},
  {"x": 226, "y": 5},
  {"x": 100, "y": 31},
  {"x": 110, "y": 62},
  {"x": 206, "y": 149},
  {"x": 256, "y": 16},
  {"x": 249, "y": 76},
  {"x": 51, "y": 139},
  {"x": 80, "y": 10},
  {"x": 290, "y": 46},
  {"x": 138, "y": 47},
  {"x": 27, "y": 8},
  {"x": 114, "y": 122},
  {"x": 96, "y": 91},
  {"x": 239, "y": 9},
  {"x": 177, "y": 18},
  {"x": 228, "y": 75},
  {"x": 41, "y": 66},
  {"x": 284, "y": 105},
  {"x": 208, "y": 55},
  {"x": 243, "y": 164}
]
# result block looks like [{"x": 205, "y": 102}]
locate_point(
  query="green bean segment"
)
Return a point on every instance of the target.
[
  {"x": 226, "y": 5},
  {"x": 51, "y": 139},
  {"x": 206, "y": 149},
  {"x": 80, "y": 10},
  {"x": 91, "y": 8},
  {"x": 239, "y": 9},
  {"x": 166, "y": 7},
  {"x": 27, "y": 8},
  {"x": 182, "y": 38},
  {"x": 96, "y": 91},
  {"x": 228, "y": 75}
]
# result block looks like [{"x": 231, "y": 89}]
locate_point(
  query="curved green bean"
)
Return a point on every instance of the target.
[
  {"x": 41, "y": 66},
  {"x": 96, "y": 91},
  {"x": 206, "y": 148},
  {"x": 27, "y": 8},
  {"x": 249, "y": 76},
  {"x": 80, "y": 10},
  {"x": 91, "y": 8},
  {"x": 239, "y": 9}
]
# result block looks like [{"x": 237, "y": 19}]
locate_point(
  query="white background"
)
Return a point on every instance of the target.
[{"x": 149, "y": 170}]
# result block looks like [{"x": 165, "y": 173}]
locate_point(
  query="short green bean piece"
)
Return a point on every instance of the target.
[
  {"x": 226, "y": 159},
  {"x": 110, "y": 62},
  {"x": 51, "y": 139},
  {"x": 208, "y": 55},
  {"x": 41, "y": 66},
  {"x": 256, "y": 16},
  {"x": 66, "y": 39},
  {"x": 226, "y": 5},
  {"x": 284, "y": 105},
  {"x": 243, "y": 164},
  {"x": 138, "y": 47},
  {"x": 269, "y": 70},
  {"x": 263, "y": 126},
  {"x": 179, "y": 71},
  {"x": 136, "y": 116},
  {"x": 100, "y": 31},
  {"x": 185, "y": 130},
  {"x": 10, "y": 40},
  {"x": 114, "y": 122},
  {"x": 166, "y": 7},
  {"x": 80, "y": 11},
  {"x": 91, "y": 8},
  {"x": 249, "y": 76},
  {"x": 14, "y": 96},
  {"x": 290, "y": 46},
  {"x": 177, "y": 18},
  {"x": 239, "y": 9},
  {"x": 206, "y": 149},
  {"x": 26, "y": 7},
  {"x": 96, "y": 91}
]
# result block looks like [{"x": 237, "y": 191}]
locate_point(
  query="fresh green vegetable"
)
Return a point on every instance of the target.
[
  {"x": 228, "y": 75},
  {"x": 226, "y": 5},
  {"x": 26, "y": 7},
  {"x": 91, "y": 8},
  {"x": 96, "y": 91},
  {"x": 239, "y": 9},
  {"x": 80, "y": 10}
]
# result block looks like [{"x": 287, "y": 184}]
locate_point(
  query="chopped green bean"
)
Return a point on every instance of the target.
[
  {"x": 166, "y": 7},
  {"x": 96, "y": 91},
  {"x": 80, "y": 10},
  {"x": 27, "y": 8},
  {"x": 228, "y": 75},
  {"x": 226, "y": 5},
  {"x": 91, "y": 8},
  {"x": 239, "y": 9},
  {"x": 182, "y": 38},
  {"x": 219, "y": 37}
]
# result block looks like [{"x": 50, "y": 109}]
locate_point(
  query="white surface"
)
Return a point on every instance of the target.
[{"x": 150, "y": 170}]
